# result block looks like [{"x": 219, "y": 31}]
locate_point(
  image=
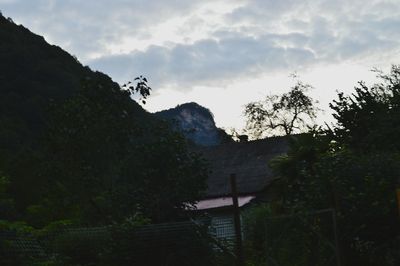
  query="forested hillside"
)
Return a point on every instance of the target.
[
  {"x": 34, "y": 76},
  {"x": 75, "y": 147}
]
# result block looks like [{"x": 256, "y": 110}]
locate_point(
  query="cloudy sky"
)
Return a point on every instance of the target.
[{"x": 222, "y": 53}]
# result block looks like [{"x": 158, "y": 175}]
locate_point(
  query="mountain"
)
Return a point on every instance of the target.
[
  {"x": 75, "y": 147},
  {"x": 196, "y": 123},
  {"x": 34, "y": 76}
]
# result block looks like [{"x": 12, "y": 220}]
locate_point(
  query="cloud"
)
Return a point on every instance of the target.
[
  {"x": 180, "y": 43},
  {"x": 266, "y": 36},
  {"x": 86, "y": 28},
  {"x": 267, "y": 12},
  {"x": 206, "y": 61},
  {"x": 335, "y": 30},
  {"x": 7, "y": 1}
]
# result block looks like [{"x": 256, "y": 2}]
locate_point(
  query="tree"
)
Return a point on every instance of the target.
[
  {"x": 7, "y": 208},
  {"x": 318, "y": 174},
  {"x": 103, "y": 159},
  {"x": 289, "y": 113},
  {"x": 353, "y": 168},
  {"x": 119, "y": 163},
  {"x": 141, "y": 87},
  {"x": 369, "y": 118}
]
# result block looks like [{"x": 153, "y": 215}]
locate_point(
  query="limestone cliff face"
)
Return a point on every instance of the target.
[{"x": 196, "y": 123}]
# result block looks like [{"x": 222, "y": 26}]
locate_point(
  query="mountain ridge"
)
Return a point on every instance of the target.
[{"x": 35, "y": 75}]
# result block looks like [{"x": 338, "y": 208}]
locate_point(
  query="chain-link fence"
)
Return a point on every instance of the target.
[{"x": 301, "y": 239}]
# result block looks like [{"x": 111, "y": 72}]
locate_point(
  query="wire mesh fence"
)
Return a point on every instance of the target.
[
  {"x": 18, "y": 249},
  {"x": 180, "y": 243},
  {"x": 301, "y": 239}
]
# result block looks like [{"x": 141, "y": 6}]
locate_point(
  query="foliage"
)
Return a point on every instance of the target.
[
  {"x": 7, "y": 203},
  {"x": 17, "y": 227},
  {"x": 361, "y": 190},
  {"x": 354, "y": 169},
  {"x": 17, "y": 246},
  {"x": 75, "y": 147},
  {"x": 289, "y": 113},
  {"x": 118, "y": 163},
  {"x": 254, "y": 225},
  {"x": 76, "y": 150},
  {"x": 275, "y": 239},
  {"x": 369, "y": 119},
  {"x": 164, "y": 244},
  {"x": 141, "y": 87},
  {"x": 304, "y": 152},
  {"x": 34, "y": 75},
  {"x": 129, "y": 243}
]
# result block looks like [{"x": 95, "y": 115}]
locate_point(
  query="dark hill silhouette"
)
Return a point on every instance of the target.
[
  {"x": 196, "y": 123},
  {"x": 33, "y": 76}
]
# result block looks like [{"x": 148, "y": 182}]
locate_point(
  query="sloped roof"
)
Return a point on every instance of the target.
[
  {"x": 213, "y": 203},
  {"x": 248, "y": 160}
]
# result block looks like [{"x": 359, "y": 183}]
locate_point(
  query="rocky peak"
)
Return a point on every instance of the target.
[{"x": 196, "y": 123}]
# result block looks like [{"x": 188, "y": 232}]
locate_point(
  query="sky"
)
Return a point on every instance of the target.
[{"x": 222, "y": 54}]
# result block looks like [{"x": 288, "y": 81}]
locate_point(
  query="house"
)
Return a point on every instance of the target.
[{"x": 249, "y": 162}]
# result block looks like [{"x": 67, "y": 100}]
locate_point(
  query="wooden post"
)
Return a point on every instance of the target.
[{"x": 238, "y": 231}]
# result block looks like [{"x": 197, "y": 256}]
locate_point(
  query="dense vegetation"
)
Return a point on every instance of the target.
[
  {"x": 353, "y": 168},
  {"x": 75, "y": 147}
]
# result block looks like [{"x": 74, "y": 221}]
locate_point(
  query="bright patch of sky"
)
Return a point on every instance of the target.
[{"x": 222, "y": 53}]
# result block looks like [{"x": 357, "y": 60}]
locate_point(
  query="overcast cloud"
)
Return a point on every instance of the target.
[{"x": 182, "y": 44}]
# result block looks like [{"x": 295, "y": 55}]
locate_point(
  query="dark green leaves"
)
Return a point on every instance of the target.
[{"x": 141, "y": 87}]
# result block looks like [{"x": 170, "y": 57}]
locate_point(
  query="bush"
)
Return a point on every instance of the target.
[{"x": 301, "y": 239}]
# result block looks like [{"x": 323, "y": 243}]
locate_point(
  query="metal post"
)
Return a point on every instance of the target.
[{"x": 238, "y": 231}]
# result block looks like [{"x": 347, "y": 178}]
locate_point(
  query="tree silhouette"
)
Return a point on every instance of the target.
[
  {"x": 141, "y": 87},
  {"x": 288, "y": 113}
]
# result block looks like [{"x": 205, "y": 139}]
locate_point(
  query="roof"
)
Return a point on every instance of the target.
[
  {"x": 248, "y": 160},
  {"x": 222, "y": 202}
]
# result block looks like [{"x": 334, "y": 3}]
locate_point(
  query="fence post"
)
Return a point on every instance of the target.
[{"x": 238, "y": 231}]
